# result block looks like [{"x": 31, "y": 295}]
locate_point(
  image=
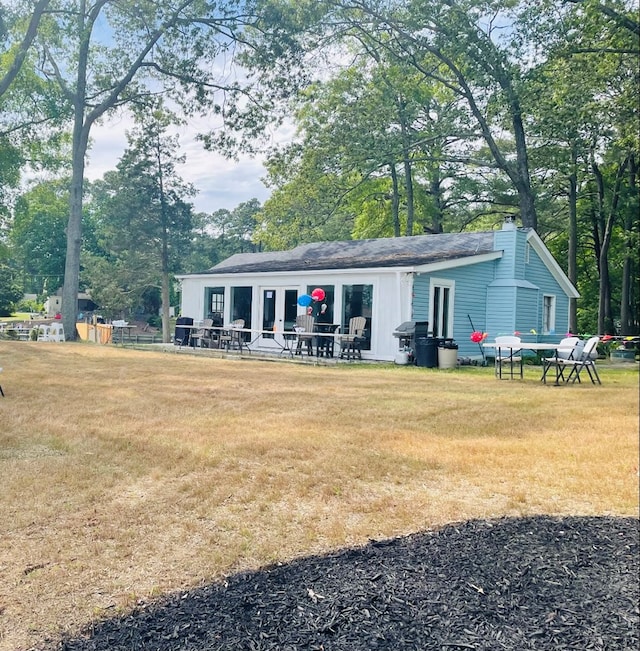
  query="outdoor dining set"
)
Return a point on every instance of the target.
[
  {"x": 565, "y": 361},
  {"x": 306, "y": 337}
]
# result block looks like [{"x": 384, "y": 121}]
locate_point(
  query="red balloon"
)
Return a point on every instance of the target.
[{"x": 318, "y": 294}]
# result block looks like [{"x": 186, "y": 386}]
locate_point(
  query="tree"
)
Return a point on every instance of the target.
[
  {"x": 10, "y": 292},
  {"x": 38, "y": 238},
  {"x": 586, "y": 101},
  {"x": 456, "y": 45},
  {"x": 109, "y": 54},
  {"x": 145, "y": 219},
  {"x": 11, "y": 62}
]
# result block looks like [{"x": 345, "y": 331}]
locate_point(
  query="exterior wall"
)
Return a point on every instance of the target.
[
  {"x": 515, "y": 302},
  {"x": 391, "y": 298},
  {"x": 470, "y": 301},
  {"x": 538, "y": 274},
  {"x": 528, "y": 311},
  {"x": 497, "y": 296},
  {"x": 53, "y": 305}
]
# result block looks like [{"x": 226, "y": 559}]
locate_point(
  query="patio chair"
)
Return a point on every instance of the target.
[
  {"x": 508, "y": 352},
  {"x": 198, "y": 336},
  {"x": 228, "y": 337},
  {"x": 43, "y": 332},
  {"x": 326, "y": 339},
  {"x": 567, "y": 349},
  {"x": 586, "y": 359},
  {"x": 56, "y": 332},
  {"x": 305, "y": 324},
  {"x": 351, "y": 341}
]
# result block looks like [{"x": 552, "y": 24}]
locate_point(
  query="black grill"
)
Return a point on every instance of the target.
[{"x": 409, "y": 331}]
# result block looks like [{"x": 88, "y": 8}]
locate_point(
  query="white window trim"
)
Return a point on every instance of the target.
[
  {"x": 549, "y": 328},
  {"x": 451, "y": 286}
]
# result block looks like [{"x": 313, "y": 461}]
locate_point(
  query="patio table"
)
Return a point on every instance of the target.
[
  {"x": 535, "y": 347},
  {"x": 119, "y": 330}
]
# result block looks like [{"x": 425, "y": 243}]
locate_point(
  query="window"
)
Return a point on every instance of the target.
[
  {"x": 441, "y": 308},
  {"x": 241, "y": 306},
  {"x": 548, "y": 314},
  {"x": 329, "y": 294},
  {"x": 357, "y": 300},
  {"x": 214, "y": 304}
]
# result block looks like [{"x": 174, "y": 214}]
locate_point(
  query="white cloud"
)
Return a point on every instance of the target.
[{"x": 221, "y": 183}]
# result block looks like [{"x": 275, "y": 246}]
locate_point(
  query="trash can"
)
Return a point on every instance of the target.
[
  {"x": 426, "y": 352},
  {"x": 182, "y": 334},
  {"x": 447, "y": 354}
]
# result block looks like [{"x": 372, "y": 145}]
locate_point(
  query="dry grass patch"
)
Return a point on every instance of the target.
[{"x": 127, "y": 474}]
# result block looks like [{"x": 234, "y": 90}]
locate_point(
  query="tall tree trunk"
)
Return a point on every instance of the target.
[
  {"x": 572, "y": 245},
  {"x": 408, "y": 174},
  {"x": 629, "y": 302},
  {"x": 80, "y": 141},
  {"x": 605, "y": 312},
  {"x": 395, "y": 201},
  {"x": 164, "y": 261},
  {"x": 435, "y": 189},
  {"x": 408, "y": 180}
]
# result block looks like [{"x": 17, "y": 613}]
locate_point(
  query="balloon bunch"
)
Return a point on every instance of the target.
[{"x": 317, "y": 294}]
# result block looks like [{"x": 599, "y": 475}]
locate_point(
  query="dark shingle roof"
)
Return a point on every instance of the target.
[{"x": 357, "y": 254}]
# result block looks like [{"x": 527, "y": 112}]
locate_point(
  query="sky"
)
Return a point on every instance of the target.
[{"x": 221, "y": 183}]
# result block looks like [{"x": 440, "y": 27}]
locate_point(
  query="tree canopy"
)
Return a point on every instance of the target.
[{"x": 411, "y": 116}]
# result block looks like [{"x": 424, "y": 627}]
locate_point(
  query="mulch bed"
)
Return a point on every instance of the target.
[{"x": 527, "y": 583}]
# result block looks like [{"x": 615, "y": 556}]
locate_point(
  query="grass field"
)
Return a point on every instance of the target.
[{"x": 128, "y": 474}]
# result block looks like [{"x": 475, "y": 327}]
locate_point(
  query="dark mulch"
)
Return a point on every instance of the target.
[{"x": 530, "y": 583}]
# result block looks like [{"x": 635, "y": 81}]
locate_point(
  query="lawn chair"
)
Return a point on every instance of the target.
[
  {"x": 585, "y": 360},
  {"x": 56, "y": 332},
  {"x": 567, "y": 349},
  {"x": 351, "y": 341},
  {"x": 305, "y": 324},
  {"x": 43, "y": 332},
  {"x": 508, "y": 352}
]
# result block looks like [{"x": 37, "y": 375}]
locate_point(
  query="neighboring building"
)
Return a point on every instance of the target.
[
  {"x": 501, "y": 281},
  {"x": 53, "y": 304}
]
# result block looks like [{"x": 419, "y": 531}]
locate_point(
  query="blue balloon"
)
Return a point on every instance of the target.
[{"x": 305, "y": 300}]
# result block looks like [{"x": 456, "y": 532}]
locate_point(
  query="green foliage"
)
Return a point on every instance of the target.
[
  {"x": 10, "y": 292},
  {"x": 38, "y": 238},
  {"x": 142, "y": 218},
  {"x": 30, "y": 305}
]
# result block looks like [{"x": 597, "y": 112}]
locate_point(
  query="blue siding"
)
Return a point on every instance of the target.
[
  {"x": 527, "y": 312},
  {"x": 500, "y": 310},
  {"x": 513, "y": 244},
  {"x": 500, "y": 297},
  {"x": 538, "y": 274},
  {"x": 470, "y": 300}
]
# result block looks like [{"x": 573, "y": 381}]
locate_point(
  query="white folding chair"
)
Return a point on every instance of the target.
[
  {"x": 509, "y": 352},
  {"x": 586, "y": 360},
  {"x": 567, "y": 349}
]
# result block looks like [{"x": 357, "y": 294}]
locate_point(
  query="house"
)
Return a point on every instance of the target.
[
  {"x": 497, "y": 282},
  {"x": 53, "y": 304}
]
